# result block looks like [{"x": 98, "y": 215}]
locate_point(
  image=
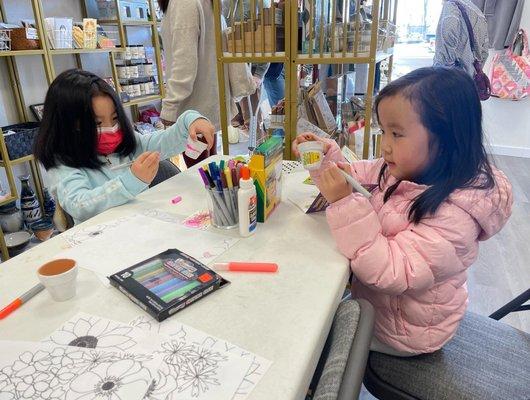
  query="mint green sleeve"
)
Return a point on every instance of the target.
[
  {"x": 78, "y": 196},
  {"x": 171, "y": 141}
]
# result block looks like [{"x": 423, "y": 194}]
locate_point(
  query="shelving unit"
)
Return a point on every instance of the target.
[
  {"x": 47, "y": 54},
  {"x": 320, "y": 49}
]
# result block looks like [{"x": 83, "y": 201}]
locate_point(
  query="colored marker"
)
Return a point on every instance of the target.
[
  {"x": 227, "y": 197},
  {"x": 152, "y": 267},
  {"x": 169, "y": 286},
  {"x": 179, "y": 292},
  {"x": 230, "y": 185},
  {"x": 245, "y": 267},
  {"x": 4, "y": 312},
  {"x": 356, "y": 185},
  {"x": 158, "y": 280},
  {"x": 151, "y": 274},
  {"x": 235, "y": 181},
  {"x": 139, "y": 270}
]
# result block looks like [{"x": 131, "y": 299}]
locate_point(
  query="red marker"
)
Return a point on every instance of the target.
[
  {"x": 246, "y": 267},
  {"x": 4, "y": 312}
]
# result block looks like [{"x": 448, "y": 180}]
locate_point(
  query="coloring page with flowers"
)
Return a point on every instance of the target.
[
  {"x": 31, "y": 370},
  {"x": 186, "y": 370},
  {"x": 257, "y": 366}
]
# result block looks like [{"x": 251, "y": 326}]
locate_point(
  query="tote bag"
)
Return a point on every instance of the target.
[{"x": 510, "y": 71}]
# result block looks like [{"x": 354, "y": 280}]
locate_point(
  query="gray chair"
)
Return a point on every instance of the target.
[
  {"x": 485, "y": 360},
  {"x": 166, "y": 170},
  {"x": 340, "y": 371}
]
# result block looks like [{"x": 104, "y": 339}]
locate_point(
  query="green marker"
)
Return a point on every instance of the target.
[
  {"x": 150, "y": 274},
  {"x": 145, "y": 269}
]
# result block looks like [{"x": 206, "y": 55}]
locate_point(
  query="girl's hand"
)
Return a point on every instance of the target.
[
  {"x": 203, "y": 127},
  {"x": 332, "y": 183},
  {"x": 145, "y": 166},
  {"x": 308, "y": 137}
]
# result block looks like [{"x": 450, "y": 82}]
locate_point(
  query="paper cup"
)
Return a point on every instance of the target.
[
  {"x": 59, "y": 278},
  {"x": 194, "y": 148},
  {"x": 311, "y": 154}
]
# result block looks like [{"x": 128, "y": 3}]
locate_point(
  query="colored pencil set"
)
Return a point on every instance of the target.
[
  {"x": 167, "y": 282},
  {"x": 221, "y": 182}
]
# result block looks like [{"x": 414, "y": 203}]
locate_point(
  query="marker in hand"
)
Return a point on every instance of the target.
[{"x": 356, "y": 185}]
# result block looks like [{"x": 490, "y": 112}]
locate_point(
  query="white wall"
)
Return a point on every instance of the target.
[{"x": 507, "y": 123}]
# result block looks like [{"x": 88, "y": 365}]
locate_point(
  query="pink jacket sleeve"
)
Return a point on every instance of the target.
[
  {"x": 364, "y": 171},
  {"x": 414, "y": 259}
]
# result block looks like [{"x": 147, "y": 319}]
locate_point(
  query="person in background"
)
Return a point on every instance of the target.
[
  {"x": 93, "y": 157},
  {"x": 452, "y": 48},
  {"x": 274, "y": 83},
  {"x": 191, "y": 71}
]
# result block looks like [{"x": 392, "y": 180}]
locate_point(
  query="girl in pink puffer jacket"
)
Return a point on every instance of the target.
[{"x": 435, "y": 197}]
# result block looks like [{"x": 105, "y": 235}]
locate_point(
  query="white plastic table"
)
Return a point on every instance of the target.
[{"x": 284, "y": 317}]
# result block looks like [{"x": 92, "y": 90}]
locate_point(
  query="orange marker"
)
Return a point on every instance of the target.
[
  {"x": 246, "y": 267},
  {"x": 4, "y": 312}
]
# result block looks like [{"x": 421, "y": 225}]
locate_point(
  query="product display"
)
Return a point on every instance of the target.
[{"x": 29, "y": 204}]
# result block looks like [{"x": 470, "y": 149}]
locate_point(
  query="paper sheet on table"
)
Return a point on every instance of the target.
[
  {"x": 139, "y": 237},
  {"x": 257, "y": 366},
  {"x": 301, "y": 195},
  {"x": 186, "y": 369},
  {"x": 32, "y": 370}
]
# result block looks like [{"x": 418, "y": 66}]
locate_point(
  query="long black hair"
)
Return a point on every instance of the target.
[
  {"x": 448, "y": 106},
  {"x": 68, "y": 132}
]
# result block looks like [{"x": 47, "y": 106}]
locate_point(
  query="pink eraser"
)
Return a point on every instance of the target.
[{"x": 176, "y": 199}]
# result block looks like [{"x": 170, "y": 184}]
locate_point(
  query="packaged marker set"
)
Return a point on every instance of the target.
[{"x": 167, "y": 283}]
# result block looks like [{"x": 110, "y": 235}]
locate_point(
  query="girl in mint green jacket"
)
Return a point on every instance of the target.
[{"x": 87, "y": 145}]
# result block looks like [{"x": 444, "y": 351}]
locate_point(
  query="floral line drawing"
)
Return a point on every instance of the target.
[
  {"x": 194, "y": 367},
  {"x": 73, "y": 374},
  {"x": 91, "y": 332},
  {"x": 257, "y": 366}
]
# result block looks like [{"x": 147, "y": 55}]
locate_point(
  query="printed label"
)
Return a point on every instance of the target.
[
  {"x": 253, "y": 213},
  {"x": 311, "y": 157},
  {"x": 182, "y": 268}
]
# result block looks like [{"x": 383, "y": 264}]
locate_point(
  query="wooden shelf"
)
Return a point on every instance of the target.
[
  {"x": 17, "y": 161},
  {"x": 7, "y": 200},
  {"x": 125, "y": 22},
  {"x": 14, "y": 53},
  {"x": 140, "y": 100},
  {"x": 80, "y": 51}
]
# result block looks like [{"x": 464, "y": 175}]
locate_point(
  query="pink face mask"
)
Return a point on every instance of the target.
[{"x": 109, "y": 138}]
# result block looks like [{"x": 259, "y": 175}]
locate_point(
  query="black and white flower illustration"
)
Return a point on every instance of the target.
[
  {"x": 198, "y": 377},
  {"x": 176, "y": 353},
  {"x": 163, "y": 385},
  {"x": 91, "y": 332},
  {"x": 110, "y": 381}
]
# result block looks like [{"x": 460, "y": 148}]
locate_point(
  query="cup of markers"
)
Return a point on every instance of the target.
[{"x": 221, "y": 182}]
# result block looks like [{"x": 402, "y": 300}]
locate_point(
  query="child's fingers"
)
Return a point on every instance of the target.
[
  {"x": 152, "y": 160},
  {"x": 346, "y": 167},
  {"x": 141, "y": 158}
]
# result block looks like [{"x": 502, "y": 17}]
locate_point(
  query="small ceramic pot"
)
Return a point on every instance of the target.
[
  {"x": 17, "y": 241},
  {"x": 43, "y": 229}
]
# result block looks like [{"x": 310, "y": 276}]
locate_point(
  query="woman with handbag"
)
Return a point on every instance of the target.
[
  {"x": 462, "y": 42},
  {"x": 191, "y": 72},
  {"x": 453, "y": 46}
]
